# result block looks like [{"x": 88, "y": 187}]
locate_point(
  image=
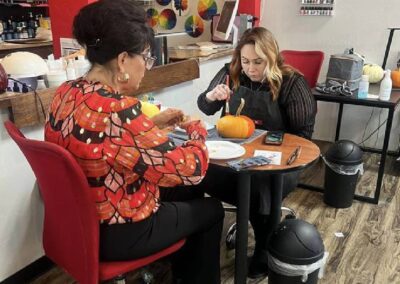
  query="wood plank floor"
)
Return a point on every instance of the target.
[{"x": 368, "y": 253}]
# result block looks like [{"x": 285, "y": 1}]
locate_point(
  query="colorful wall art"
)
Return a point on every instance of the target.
[
  {"x": 194, "y": 26},
  {"x": 152, "y": 17},
  {"x": 207, "y": 9},
  {"x": 188, "y": 16},
  {"x": 167, "y": 19},
  {"x": 181, "y": 7},
  {"x": 163, "y": 2}
]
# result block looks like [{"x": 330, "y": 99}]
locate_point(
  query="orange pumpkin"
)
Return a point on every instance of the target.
[
  {"x": 396, "y": 78},
  {"x": 236, "y": 126}
]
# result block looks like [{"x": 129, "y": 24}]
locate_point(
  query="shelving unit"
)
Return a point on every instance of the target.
[
  {"x": 25, "y": 3},
  {"x": 317, "y": 8}
]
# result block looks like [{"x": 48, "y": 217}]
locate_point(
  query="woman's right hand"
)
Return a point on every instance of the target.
[
  {"x": 220, "y": 93},
  {"x": 168, "y": 118},
  {"x": 188, "y": 120}
]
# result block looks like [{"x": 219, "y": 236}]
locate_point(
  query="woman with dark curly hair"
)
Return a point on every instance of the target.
[{"x": 140, "y": 180}]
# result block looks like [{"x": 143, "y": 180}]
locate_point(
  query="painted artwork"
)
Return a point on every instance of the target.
[
  {"x": 167, "y": 19},
  {"x": 181, "y": 7},
  {"x": 207, "y": 9},
  {"x": 194, "y": 26},
  {"x": 163, "y": 2},
  {"x": 152, "y": 17}
]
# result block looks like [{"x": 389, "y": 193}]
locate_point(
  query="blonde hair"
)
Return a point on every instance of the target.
[{"x": 267, "y": 49}]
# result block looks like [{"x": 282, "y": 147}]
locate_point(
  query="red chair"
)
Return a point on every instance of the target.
[
  {"x": 71, "y": 226},
  {"x": 307, "y": 62}
]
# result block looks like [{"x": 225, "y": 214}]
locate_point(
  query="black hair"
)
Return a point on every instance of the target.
[{"x": 108, "y": 27}]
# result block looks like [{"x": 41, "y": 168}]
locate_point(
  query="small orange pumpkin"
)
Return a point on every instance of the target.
[
  {"x": 396, "y": 77},
  {"x": 236, "y": 126}
]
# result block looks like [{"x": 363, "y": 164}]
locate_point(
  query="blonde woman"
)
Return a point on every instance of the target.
[{"x": 277, "y": 98}]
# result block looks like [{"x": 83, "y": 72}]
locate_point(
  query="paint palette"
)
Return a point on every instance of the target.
[
  {"x": 207, "y": 9},
  {"x": 194, "y": 26},
  {"x": 181, "y": 7},
  {"x": 163, "y": 2},
  {"x": 167, "y": 19},
  {"x": 152, "y": 17}
]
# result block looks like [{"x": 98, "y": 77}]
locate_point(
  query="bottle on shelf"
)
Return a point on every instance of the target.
[
  {"x": 363, "y": 88},
  {"x": 71, "y": 74},
  {"x": 41, "y": 85},
  {"x": 386, "y": 87}
]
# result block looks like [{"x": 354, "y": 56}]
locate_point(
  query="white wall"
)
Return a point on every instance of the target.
[
  {"x": 21, "y": 209},
  {"x": 361, "y": 24},
  {"x": 184, "y": 96}
]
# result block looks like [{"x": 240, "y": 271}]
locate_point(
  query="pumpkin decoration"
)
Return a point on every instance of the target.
[
  {"x": 374, "y": 71},
  {"x": 396, "y": 76},
  {"x": 236, "y": 126},
  {"x": 149, "y": 109}
]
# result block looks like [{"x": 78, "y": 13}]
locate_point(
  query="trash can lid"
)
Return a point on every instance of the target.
[
  {"x": 296, "y": 242},
  {"x": 344, "y": 152}
]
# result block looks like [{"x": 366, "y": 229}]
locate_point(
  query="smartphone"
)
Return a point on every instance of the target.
[{"x": 274, "y": 137}]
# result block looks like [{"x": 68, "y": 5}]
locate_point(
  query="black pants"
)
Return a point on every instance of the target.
[
  {"x": 223, "y": 185},
  {"x": 183, "y": 213}
]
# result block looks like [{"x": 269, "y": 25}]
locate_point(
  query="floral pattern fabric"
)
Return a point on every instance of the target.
[{"x": 124, "y": 156}]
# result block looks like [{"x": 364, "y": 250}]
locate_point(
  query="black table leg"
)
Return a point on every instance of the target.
[
  {"x": 242, "y": 219},
  {"x": 339, "y": 122},
  {"x": 383, "y": 155},
  {"x": 276, "y": 200}
]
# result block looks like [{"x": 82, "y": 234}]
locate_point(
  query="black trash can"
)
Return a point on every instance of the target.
[
  {"x": 343, "y": 162},
  {"x": 295, "y": 253}
]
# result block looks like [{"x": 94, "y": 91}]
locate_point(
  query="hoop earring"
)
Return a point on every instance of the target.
[
  {"x": 242, "y": 71},
  {"x": 125, "y": 78}
]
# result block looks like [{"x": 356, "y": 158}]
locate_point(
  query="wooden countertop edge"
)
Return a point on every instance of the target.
[
  {"x": 182, "y": 54},
  {"x": 12, "y": 46},
  {"x": 24, "y": 106}
]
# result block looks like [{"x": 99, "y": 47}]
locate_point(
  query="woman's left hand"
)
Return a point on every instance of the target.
[{"x": 168, "y": 118}]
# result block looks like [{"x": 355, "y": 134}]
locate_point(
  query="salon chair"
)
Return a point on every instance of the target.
[
  {"x": 71, "y": 226},
  {"x": 307, "y": 62}
]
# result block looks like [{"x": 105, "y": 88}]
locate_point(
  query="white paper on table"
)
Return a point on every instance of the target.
[{"x": 273, "y": 155}]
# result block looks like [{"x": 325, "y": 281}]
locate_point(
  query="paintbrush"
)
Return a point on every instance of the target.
[{"x": 227, "y": 99}]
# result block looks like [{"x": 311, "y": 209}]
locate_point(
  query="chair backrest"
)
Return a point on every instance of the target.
[
  {"x": 307, "y": 62},
  {"x": 71, "y": 228}
]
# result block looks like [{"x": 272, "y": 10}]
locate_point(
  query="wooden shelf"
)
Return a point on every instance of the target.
[
  {"x": 25, "y": 109},
  {"x": 27, "y": 4}
]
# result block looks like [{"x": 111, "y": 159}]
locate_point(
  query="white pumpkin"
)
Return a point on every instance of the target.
[{"x": 375, "y": 72}]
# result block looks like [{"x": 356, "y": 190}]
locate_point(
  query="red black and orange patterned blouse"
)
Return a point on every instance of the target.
[{"x": 124, "y": 156}]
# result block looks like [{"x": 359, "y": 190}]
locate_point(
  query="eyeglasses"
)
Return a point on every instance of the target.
[{"x": 148, "y": 60}]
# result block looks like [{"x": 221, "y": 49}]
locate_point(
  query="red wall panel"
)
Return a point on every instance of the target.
[
  {"x": 251, "y": 7},
  {"x": 62, "y": 13}
]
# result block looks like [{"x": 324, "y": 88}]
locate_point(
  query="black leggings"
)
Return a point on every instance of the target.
[{"x": 189, "y": 216}]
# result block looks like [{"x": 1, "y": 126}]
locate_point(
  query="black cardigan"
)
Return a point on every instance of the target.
[{"x": 296, "y": 102}]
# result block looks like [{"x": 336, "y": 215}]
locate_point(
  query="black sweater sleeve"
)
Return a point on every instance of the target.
[
  {"x": 210, "y": 108},
  {"x": 300, "y": 108}
]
